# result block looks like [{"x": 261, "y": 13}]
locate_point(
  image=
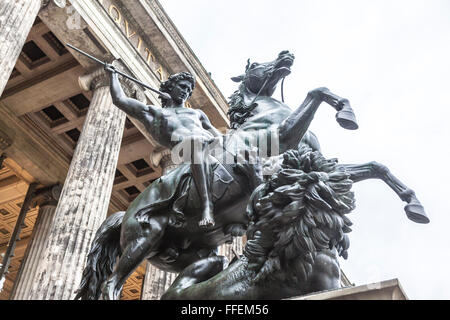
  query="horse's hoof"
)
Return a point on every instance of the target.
[
  {"x": 346, "y": 118},
  {"x": 415, "y": 212}
]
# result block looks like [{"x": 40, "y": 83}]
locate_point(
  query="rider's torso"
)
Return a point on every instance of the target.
[{"x": 171, "y": 125}]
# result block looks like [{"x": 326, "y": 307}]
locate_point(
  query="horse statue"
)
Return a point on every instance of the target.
[{"x": 161, "y": 224}]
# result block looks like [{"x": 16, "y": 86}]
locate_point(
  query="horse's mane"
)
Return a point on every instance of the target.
[
  {"x": 238, "y": 111},
  {"x": 298, "y": 211}
]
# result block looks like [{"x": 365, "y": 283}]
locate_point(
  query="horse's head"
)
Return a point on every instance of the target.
[{"x": 263, "y": 78}]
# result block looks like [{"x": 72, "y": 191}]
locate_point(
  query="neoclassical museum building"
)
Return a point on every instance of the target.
[{"x": 68, "y": 156}]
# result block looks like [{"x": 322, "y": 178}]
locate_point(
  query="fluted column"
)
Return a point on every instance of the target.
[
  {"x": 85, "y": 196},
  {"x": 16, "y": 20},
  {"x": 46, "y": 199},
  {"x": 230, "y": 250},
  {"x": 156, "y": 281}
]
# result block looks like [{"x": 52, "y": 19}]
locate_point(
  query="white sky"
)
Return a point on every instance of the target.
[{"x": 391, "y": 59}]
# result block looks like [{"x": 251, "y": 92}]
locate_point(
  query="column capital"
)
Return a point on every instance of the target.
[
  {"x": 48, "y": 196},
  {"x": 162, "y": 157},
  {"x": 100, "y": 78},
  {"x": 94, "y": 80}
]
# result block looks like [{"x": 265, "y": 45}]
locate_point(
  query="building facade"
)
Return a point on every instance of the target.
[{"x": 69, "y": 157}]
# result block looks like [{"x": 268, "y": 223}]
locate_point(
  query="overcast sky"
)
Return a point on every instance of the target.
[{"x": 391, "y": 59}]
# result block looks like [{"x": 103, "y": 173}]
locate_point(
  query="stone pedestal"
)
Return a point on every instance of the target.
[
  {"x": 47, "y": 201},
  {"x": 85, "y": 196},
  {"x": 16, "y": 20},
  {"x": 385, "y": 290}
]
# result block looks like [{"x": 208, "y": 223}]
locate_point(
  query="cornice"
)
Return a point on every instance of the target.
[{"x": 181, "y": 43}]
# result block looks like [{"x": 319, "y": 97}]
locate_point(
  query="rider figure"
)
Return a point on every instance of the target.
[{"x": 175, "y": 123}]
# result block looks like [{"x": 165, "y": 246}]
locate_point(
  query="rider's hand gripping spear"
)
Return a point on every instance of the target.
[{"x": 112, "y": 69}]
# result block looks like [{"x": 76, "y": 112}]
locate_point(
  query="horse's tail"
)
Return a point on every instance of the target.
[{"x": 102, "y": 257}]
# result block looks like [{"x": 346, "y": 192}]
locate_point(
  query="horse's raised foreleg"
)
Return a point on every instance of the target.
[
  {"x": 374, "y": 170},
  {"x": 139, "y": 242},
  {"x": 293, "y": 128}
]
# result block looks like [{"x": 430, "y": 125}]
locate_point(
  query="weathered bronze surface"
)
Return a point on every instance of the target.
[
  {"x": 297, "y": 231},
  {"x": 295, "y": 220}
]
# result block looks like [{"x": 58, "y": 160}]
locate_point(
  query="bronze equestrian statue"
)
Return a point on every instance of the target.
[{"x": 161, "y": 225}]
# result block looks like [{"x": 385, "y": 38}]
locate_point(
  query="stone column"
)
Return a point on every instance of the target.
[
  {"x": 156, "y": 281},
  {"x": 16, "y": 20},
  {"x": 46, "y": 199},
  {"x": 230, "y": 250},
  {"x": 85, "y": 196}
]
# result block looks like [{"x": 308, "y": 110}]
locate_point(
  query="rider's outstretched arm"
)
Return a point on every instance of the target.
[{"x": 131, "y": 107}]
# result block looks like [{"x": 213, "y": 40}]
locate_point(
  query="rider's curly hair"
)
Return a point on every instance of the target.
[{"x": 168, "y": 85}]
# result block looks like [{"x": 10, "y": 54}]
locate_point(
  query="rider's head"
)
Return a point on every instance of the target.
[{"x": 179, "y": 86}]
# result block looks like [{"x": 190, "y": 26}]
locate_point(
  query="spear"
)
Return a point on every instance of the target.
[{"x": 162, "y": 94}]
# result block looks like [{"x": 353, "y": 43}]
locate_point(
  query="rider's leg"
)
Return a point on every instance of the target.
[
  {"x": 375, "y": 170},
  {"x": 201, "y": 176},
  {"x": 139, "y": 242}
]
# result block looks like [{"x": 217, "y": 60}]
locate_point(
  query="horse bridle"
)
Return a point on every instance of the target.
[{"x": 265, "y": 83}]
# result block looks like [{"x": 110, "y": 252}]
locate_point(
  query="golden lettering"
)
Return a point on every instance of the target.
[
  {"x": 139, "y": 44},
  {"x": 160, "y": 72},
  {"x": 128, "y": 30},
  {"x": 149, "y": 56},
  {"x": 118, "y": 17}
]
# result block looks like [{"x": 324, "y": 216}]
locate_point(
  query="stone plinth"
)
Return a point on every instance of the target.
[{"x": 386, "y": 290}]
